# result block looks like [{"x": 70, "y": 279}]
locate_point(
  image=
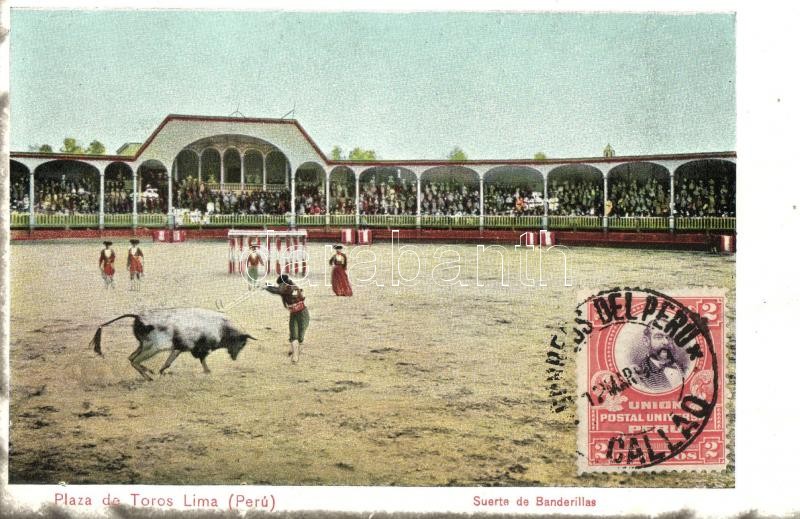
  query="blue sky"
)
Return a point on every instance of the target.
[{"x": 406, "y": 85}]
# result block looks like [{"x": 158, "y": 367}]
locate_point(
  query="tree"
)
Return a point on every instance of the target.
[
  {"x": 359, "y": 154},
  {"x": 96, "y": 148},
  {"x": 45, "y": 148},
  {"x": 457, "y": 154},
  {"x": 336, "y": 153},
  {"x": 539, "y": 155},
  {"x": 71, "y": 146}
]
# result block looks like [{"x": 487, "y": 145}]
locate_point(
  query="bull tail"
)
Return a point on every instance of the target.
[{"x": 98, "y": 335}]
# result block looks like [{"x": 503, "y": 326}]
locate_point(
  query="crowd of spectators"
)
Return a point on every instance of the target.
[
  {"x": 18, "y": 196},
  {"x": 309, "y": 199},
  {"x": 195, "y": 195},
  {"x": 395, "y": 196},
  {"x": 509, "y": 200},
  {"x": 575, "y": 197},
  {"x": 694, "y": 197},
  {"x": 118, "y": 197},
  {"x": 647, "y": 197},
  {"x": 57, "y": 196},
  {"x": 704, "y": 197},
  {"x": 342, "y": 198},
  {"x": 450, "y": 199}
]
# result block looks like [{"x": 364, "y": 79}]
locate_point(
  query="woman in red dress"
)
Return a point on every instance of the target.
[{"x": 341, "y": 284}]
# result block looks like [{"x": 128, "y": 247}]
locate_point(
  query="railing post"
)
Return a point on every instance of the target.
[
  {"x": 480, "y": 220},
  {"x": 419, "y": 201},
  {"x": 546, "y": 204},
  {"x": 671, "y": 200},
  {"x": 357, "y": 201},
  {"x": 241, "y": 169},
  {"x": 605, "y": 202},
  {"x": 31, "y": 205},
  {"x": 222, "y": 170},
  {"x": 135, "y": 219},
  {"x": 102, "y": 220},
  {"x": 327, "y": 199}
]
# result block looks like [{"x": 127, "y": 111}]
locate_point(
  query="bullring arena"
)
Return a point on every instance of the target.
[{"x": 428, "y": 383}]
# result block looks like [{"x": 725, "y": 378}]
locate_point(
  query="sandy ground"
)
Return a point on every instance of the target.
[{"x": 411, "y": 385}]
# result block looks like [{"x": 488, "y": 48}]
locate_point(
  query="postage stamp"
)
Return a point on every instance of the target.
[{"x": 651, "y": 372}]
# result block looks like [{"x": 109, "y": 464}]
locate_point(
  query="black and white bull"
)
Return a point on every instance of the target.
[{"x": 177, "y": 330}]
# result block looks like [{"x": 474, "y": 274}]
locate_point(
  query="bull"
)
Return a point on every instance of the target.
[{"x": 177, "y": 330}]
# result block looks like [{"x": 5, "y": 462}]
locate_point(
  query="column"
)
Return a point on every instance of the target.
[
  {"x": 264, "y": 174},
  {"x": 221, "y": 169},
  {"x": 546, "y": 203},
  {"x": 31, "y": 217},
  {"x": 286, "y": 175},
  {"x": 170, "y": 216},
  {"x": 241, "y": 170},
  {"x": 199, "y": 166},
  {"x": 102, "y": 220},
  {"x": 480, "y": 219},
  {"x": 419, "y": 201},
  {"x": 672, "y": 200},
  {"x": 294, "y": 208},
  {"x": 605, "y": 201},
  {"x": 357, "y": 202},
  {"x": 135, "y": 196},
  {"x": 328, "y": 198}
]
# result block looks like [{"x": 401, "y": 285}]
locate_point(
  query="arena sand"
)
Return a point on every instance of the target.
[{"x": 411, "y": 385}]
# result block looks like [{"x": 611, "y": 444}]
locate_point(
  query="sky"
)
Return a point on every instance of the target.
[{"x": 407, "y": 85}]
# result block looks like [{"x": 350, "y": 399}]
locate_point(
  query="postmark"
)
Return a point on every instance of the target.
[{"x": 650, "y": 371}]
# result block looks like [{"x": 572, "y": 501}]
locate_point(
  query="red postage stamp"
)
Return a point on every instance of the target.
[{"x": 651, "y": 381}]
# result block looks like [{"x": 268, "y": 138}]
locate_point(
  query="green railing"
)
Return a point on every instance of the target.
[
  {"x": 237, "y": 187},
  {"x": 343, "y": 220},
  {"x": 310, "y": 220},
  {"x": 388, "y": 220},
  {"x": 66, "y": 220},
  {"x": 450, "y": 222},
  {"x": 638, "y": 223},
  {"x": 512, "y": 222},
  {"x": 118, "y": 220},
  {"x": 240, "y": 220},
  {"x": 575, "y": 222},
  {"x": 151, "y": 220},
  {"x": 19, "y": 220},
  {"x": 706, "y": 223},
  {"x": 644, "y": 223}
]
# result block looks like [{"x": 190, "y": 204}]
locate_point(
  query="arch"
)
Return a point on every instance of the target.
[
  {"x": 343, "y": 190},
  {"x": 186, "y": 165},
  {"x": 706, "y": 188},
  {"x": 153, "y": 187},
  {"x": 232, "y": 165},
  {"x": 450, "y": 190},
  {"x": 210, "y": 160},
  {"x": 309, "y": 188},
  {"x": 238, "y": 141},
  {"x": 639, "y": 189},
  {"x": 70, "y": 186},
  {"x": 277, "y": 164},
  {"x": 388, "y": 190},
  {"x": 575, "y": 190},
  {"x": 118, "y": 188},
  {"x": 513, "y": 190},
  {"x": 19, "y": 187},
  {"x": 253, "y": 163}
]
